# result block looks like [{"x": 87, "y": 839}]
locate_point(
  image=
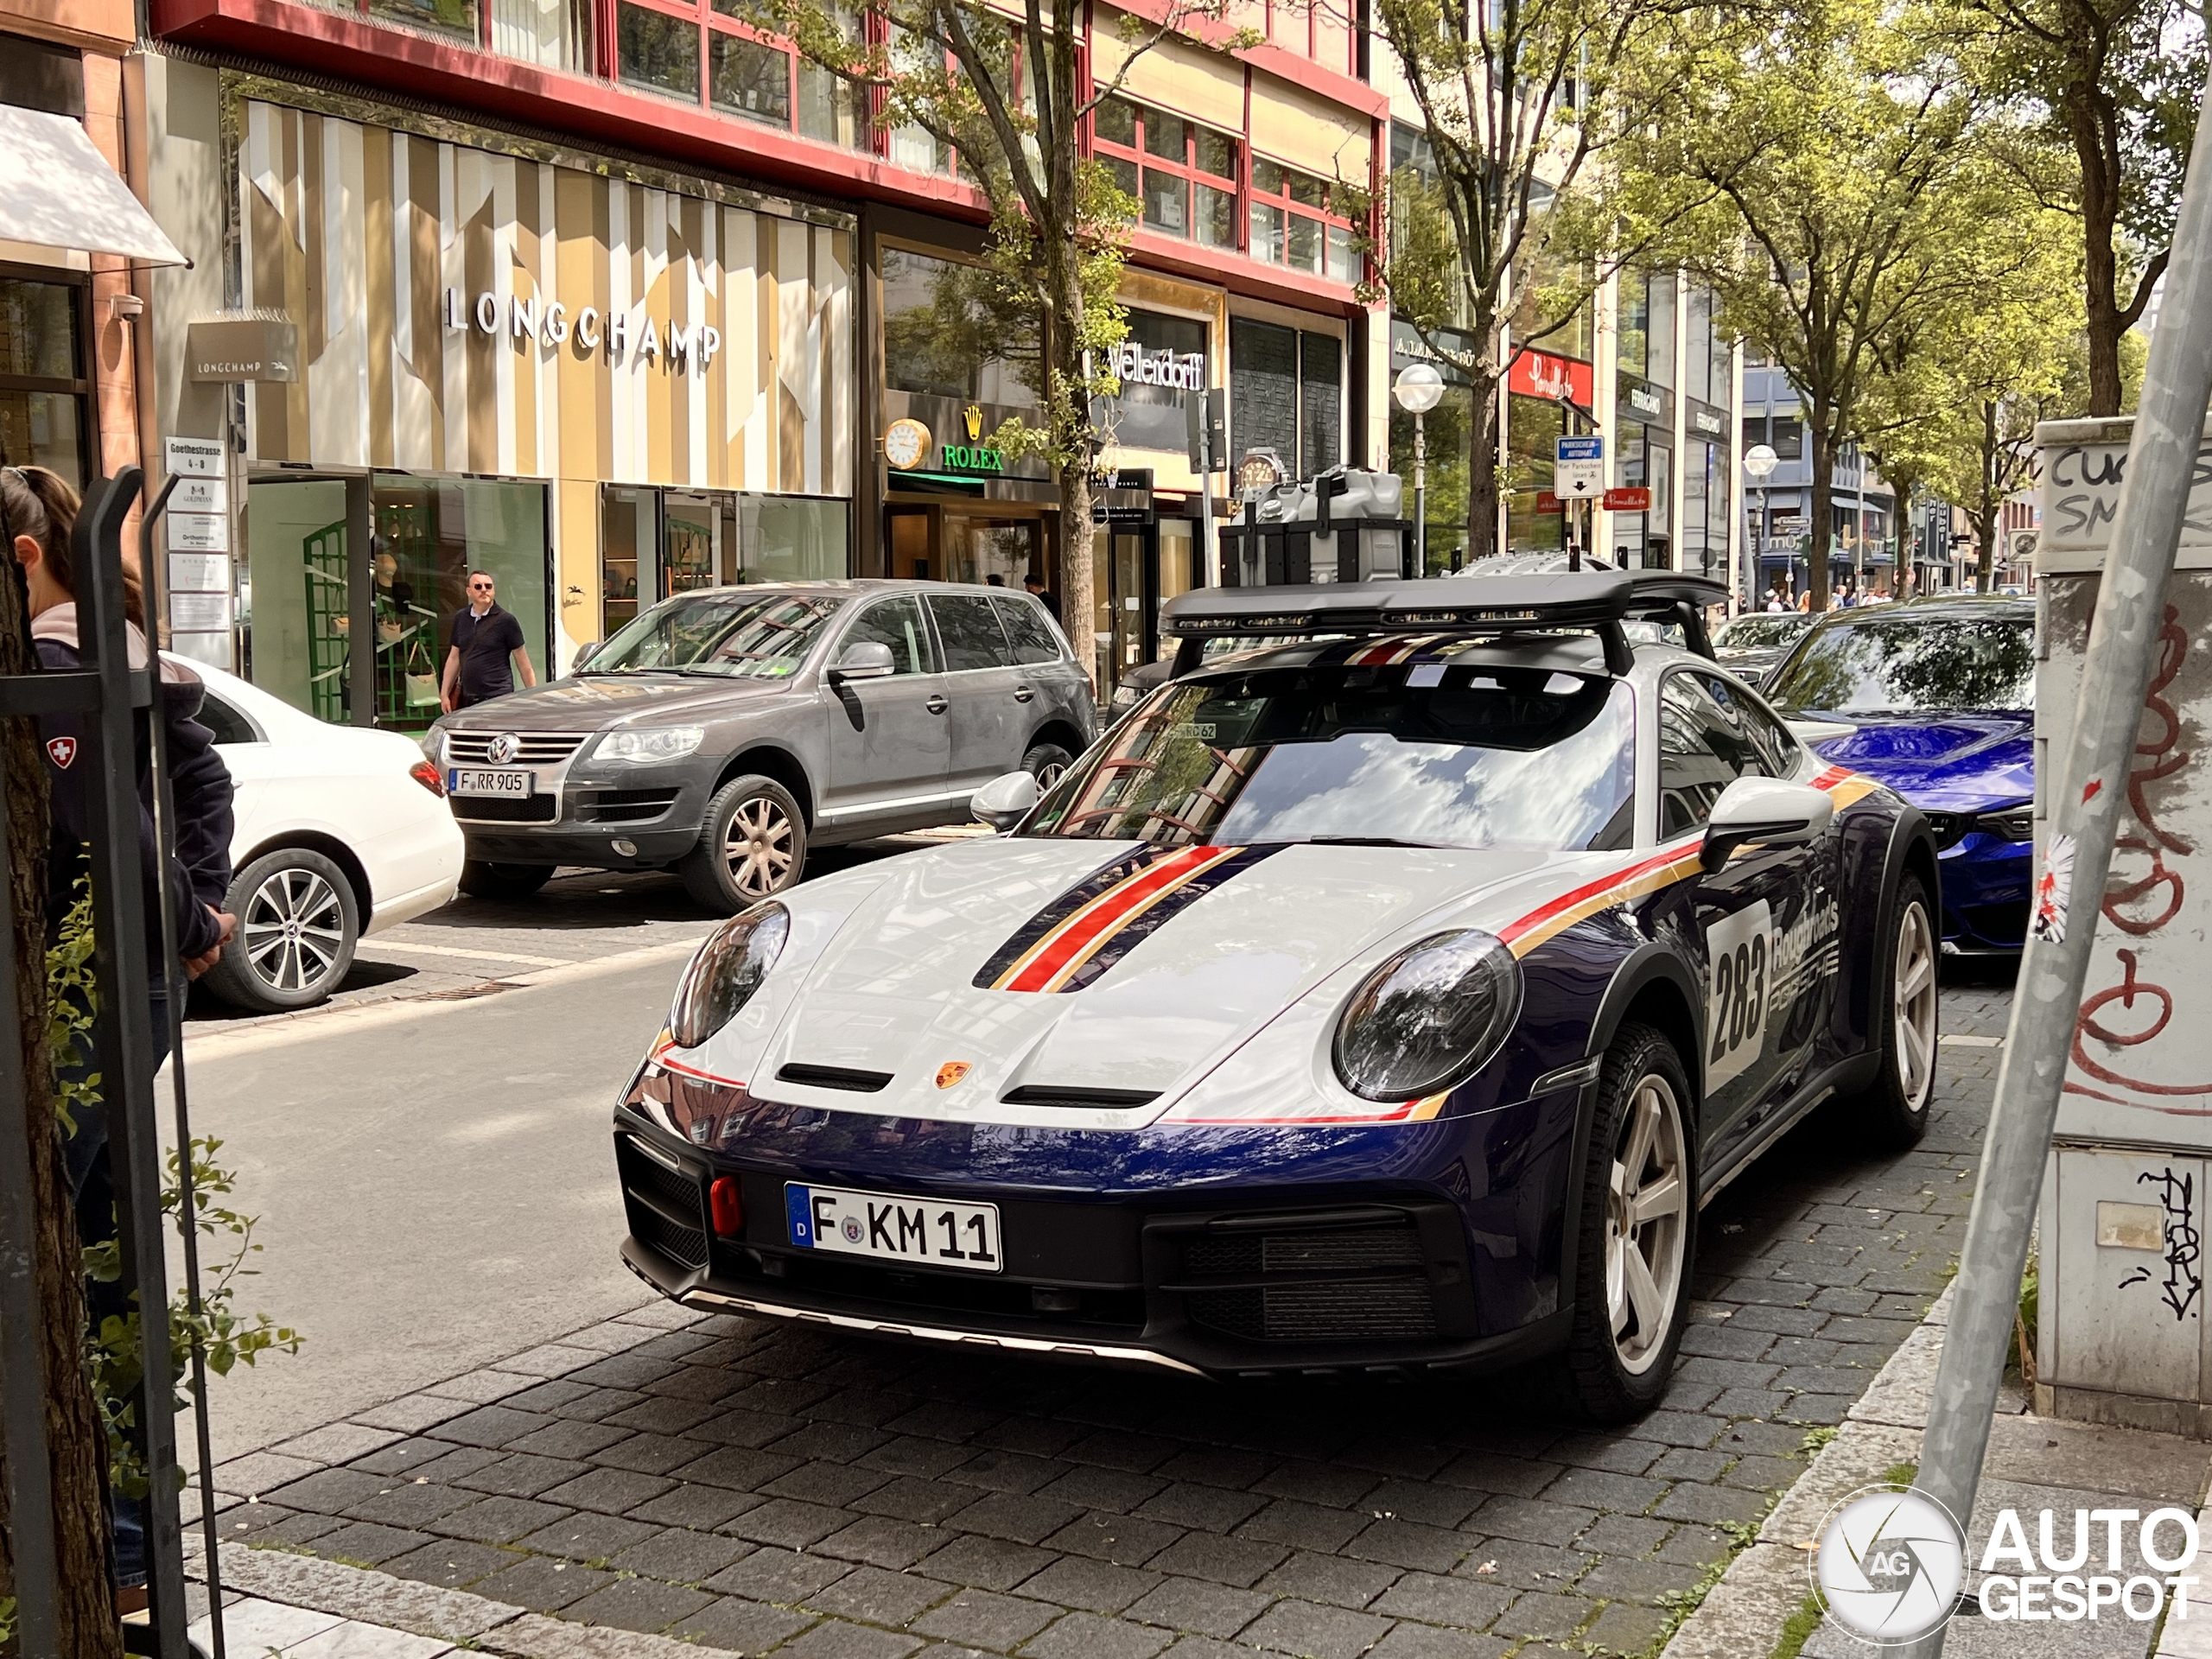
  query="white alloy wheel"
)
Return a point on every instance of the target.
[
  {"x": 1647, "y": 1217},
  {"x": 1913, "y": 1009},
  {"x": 294, "y": 931},
  {"x": 758, "y": 848}
]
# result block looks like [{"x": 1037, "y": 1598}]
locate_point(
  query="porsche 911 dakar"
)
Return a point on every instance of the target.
[{"x": 1392, "y": 997}]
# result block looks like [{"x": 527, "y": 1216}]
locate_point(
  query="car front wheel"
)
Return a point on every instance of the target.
[
  {"x": 1637, "y": 1234},
  {"x": 298, "y": 924},
  {"x": 1045, "y": 762},
  {"x": 751, "y": 846},
  {"x": 1892, "y": 1113}
]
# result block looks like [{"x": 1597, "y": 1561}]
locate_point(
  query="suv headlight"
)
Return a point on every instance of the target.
[
  {"x": 727, "y": 971},
  {"x": 2016, "y": 824},
  {"x": 434, "y": 746},
  {"x": 1429, "y": 1016},
  {"x": 654, "y": 743}
]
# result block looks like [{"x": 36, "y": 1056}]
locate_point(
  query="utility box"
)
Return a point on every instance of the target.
[{"x": 2122, "y": 1336}]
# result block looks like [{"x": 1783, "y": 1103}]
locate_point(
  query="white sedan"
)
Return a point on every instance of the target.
[{"x": 341, "y": 832}]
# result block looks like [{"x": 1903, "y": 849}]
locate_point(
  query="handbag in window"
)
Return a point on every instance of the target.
[{"x": 421, "y": 681}]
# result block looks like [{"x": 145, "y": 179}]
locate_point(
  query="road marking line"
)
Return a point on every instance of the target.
[
  {"x": 481, "y": 956},
  {"x": 1960, "y": 1039}
]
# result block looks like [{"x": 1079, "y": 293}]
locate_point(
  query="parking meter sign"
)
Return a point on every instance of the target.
[{"x": 1579, "y": 467}]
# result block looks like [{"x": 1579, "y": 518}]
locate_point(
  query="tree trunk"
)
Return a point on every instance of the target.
[
  {"x": 1990, "y": 507},
  {"x": 76, "y": 1442},
  {"x": 1076, "y": 586},
  {"x": 1820, "y": 433},
  {"x": 2088, "y": 123},
  {"x": 1483, "y": 438}
]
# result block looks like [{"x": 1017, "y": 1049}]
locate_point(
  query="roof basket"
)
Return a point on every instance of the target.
[{"x": 1598, "y": 601}]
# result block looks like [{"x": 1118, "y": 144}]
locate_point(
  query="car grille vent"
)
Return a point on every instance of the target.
[
  {"x": 1046, "y": 1093},
  {"x": 1363, "y": 1248},
  {"x": 1399, "y": 1310},
  {"x": 630, "y": 805},
  {"x": 833, "y": 1077},
  {"x": 662, "y": 1202},
  {"x": 507, "y": 809},
  {"x": 536, "y": 748}
]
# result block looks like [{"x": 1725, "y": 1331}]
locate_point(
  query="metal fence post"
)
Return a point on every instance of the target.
[{"x": 2091, "y": 780}]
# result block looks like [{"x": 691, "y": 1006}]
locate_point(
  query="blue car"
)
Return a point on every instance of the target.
[{"x": 1940, "y": 694}]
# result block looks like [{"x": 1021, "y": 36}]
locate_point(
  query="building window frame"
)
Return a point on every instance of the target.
[
  {"x": 1190, "y": 161},
  {"x": 1289, "y": 204},
  {"x": 78, "y": 386}
]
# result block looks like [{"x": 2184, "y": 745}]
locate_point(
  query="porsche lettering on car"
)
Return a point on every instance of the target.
[{"x": 1390, "y": 997}]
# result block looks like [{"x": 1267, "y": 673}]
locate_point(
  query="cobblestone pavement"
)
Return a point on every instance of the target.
[{"x": 824, "y": 1496}]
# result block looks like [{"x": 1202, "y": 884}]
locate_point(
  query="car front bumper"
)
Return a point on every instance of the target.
[
  {"x": 1223, "y": 1253},
  {"x": 577, "y": 819},
  {"x": 1986, "y": 890}
]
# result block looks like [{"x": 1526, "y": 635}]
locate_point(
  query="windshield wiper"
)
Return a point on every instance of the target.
[{"x": 1364, "y": 840}]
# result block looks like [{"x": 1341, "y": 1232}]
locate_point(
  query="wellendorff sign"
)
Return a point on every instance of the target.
[{"x": 548, "y": 322}]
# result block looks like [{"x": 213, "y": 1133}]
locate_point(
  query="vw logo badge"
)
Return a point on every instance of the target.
[
  {"x": 1890, "y": 1564},
  {"x": 503, "y": 748}
]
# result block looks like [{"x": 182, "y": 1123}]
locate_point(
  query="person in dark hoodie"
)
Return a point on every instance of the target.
[{"x": 38, "y": 512}]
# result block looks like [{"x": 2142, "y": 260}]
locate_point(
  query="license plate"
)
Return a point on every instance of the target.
[
  {"x": 484, "y": 780},
  {"x": 927, "y": 1232}
]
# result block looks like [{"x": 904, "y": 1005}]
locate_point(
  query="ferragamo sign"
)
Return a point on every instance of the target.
[{"x": 520, "y": 318}]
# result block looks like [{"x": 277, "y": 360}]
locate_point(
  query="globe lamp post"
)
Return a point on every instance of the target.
[{"x": 1419, "y": 389}]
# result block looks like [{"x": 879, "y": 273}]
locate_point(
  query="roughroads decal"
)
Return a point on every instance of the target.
[{"x": 1083, "y": 933}]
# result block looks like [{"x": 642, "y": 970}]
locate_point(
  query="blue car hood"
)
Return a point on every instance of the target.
[{"x": 1946, "y": 763}]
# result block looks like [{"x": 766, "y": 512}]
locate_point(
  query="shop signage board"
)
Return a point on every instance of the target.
[
  {"x": 1627, "y": 497},
  {"x": 243, "y": 349},
  {"x": 1548, "y": 376},
  {"x": 200, "y": 495},
  {"x": 199, "y": 532},
  {"x": 193, "y": 457},
  {"x": 1579, "y": 466},
  {"x": 200, "y": 613},
  {"x": 199, "y": 573}
]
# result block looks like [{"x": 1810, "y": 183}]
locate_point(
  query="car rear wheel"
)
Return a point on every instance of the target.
[
  {"x": 481, "y": 879},
  {"x": 1637, "y": 1234},
  {"x": 1045, "y": 762},
  {"x": 1892, "y": 1113},
  {"x": 751, "y": 846},
  {"x": 298, "y": 924}
]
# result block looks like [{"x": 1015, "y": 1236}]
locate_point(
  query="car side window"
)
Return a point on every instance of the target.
[
  {"x": 226, "y": 722},
  {"x": 967, "y": 627},
  {"x": 1703, "y": 748},
  {"x": 896, "y": 623},
  {"x": 1025, "y": 623},
  {"x": 1777, "y": 748}
]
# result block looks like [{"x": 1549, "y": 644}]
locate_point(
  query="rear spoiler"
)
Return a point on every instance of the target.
[{"x": 1598, "y": 601}]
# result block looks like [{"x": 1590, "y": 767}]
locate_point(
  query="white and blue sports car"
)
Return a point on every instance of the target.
[{"x": 1391, "y": 998}]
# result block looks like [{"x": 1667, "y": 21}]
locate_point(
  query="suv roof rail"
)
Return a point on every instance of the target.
[{"x": 1598, "y": 601}]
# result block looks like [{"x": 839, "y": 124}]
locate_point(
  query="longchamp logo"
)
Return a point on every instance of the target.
[
  {"x": 63, "y": 751},
  {"x": 1890, "y": 1565},
  {"x": 951, "y": 1072}
]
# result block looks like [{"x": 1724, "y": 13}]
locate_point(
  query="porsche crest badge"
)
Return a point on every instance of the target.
[{"x": 951, "y": 1072}]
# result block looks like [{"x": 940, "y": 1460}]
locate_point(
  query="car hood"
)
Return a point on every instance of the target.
[
  {"x": 595, "y": 703},
  {"x": 882, "y": 972},
  {"x": 1950, "y": 763}
]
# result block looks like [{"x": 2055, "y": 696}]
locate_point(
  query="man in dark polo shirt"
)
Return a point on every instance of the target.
[{"x": 485, "y": 640}]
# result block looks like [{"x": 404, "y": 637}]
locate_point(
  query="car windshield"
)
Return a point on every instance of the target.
[
  {"x": 1436, "y": 754},
  {"x": 737, "y": 632},
  {"x": 1911, "y": 664},
  {"x": 1759, "y": 632}
]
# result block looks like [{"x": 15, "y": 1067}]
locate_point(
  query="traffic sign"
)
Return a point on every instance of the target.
[{"x": 1590, "y": 447}]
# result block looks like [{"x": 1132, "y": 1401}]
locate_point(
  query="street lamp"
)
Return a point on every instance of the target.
[
  {"x": 1420, "y": 387},
  {"x": 1759, "y": 463}
]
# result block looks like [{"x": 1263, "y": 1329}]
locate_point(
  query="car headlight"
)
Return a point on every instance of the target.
[
  {"x": 728, "y": 969},
  {"x": 2017, "y": 824},
  {"x": 434, "y": 746},
  {"x": 1428, "y": 1016},
  {"x": 654, "y": 743},
  {"x": 1125, "y": 697}
]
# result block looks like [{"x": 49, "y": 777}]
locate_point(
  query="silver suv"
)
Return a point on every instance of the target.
[{"x": 726, "y": 730}]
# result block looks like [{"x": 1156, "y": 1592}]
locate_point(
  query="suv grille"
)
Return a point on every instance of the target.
[
  {"x": 507, "y": 809},
  {"x": 1397, "y": 1311},
  {"x": 538, "y": 748},
  {"x": 1396, "y": 1303}
]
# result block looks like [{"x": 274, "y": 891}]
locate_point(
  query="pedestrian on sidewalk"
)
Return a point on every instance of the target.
[
  {"x": 485, "y": 641},
  {"x": 38, "y": 512},
  {"x": 1033, "y": 585}
]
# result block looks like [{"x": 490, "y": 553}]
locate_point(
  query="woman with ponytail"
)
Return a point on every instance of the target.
[{"x": 38, "y": 513}]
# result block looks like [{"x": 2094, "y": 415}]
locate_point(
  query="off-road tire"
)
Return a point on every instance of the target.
[
  {"x": 725, "y": 876},
  {"x": 1613, "y": 1377},
  {"x": 1891, "y": 1114}
]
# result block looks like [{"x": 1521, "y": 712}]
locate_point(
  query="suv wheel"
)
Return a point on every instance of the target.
[
  {"x": 751, "y": 846},
  {"x": 1893, "y": 1112},
  {"x": 1045, "y": 762},
  {"x": 297, "y": 926}
]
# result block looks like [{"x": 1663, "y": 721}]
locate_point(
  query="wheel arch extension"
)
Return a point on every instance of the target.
[
  {"x": 316, "y": 840},
  {"x": 1059, "y": 731},
  {"x": 770, "y": 761}
]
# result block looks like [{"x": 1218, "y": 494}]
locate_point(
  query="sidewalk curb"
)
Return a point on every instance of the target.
[{"x": 1742, "y": 1616}]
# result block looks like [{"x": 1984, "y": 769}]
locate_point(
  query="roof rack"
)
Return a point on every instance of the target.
[{"x": 1598, "y": 601}]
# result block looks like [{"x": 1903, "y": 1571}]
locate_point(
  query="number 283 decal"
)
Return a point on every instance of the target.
[{"x": 1737, "y": 978}]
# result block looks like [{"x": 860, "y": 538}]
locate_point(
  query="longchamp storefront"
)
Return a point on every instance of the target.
[{"x": 601, "y": 385}]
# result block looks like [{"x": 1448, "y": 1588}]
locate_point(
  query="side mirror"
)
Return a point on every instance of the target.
[
  {"x": 1005, "y": 800},
  {"x": 868, "y": 659},
  {"x": 1764, "y": 812},
  {"x": 585, "y": 653}
]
